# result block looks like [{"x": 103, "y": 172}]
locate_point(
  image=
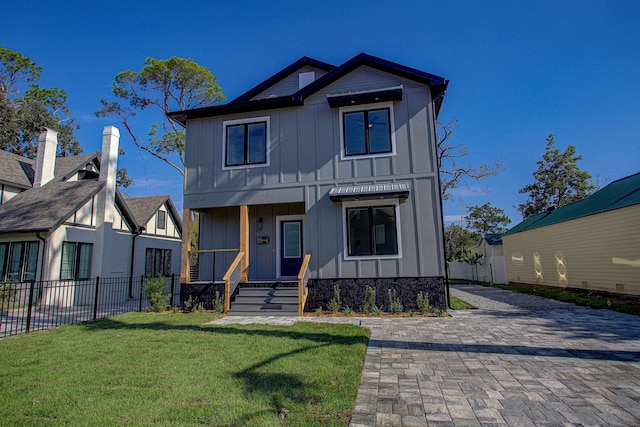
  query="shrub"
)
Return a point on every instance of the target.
[
  {"x": 193, "y": 305},
  {"x": 335, "y": 303},
  {"x": 154, "y": 291},
  {"x": 348, "y": 311},
  {"x": 218, "y": 303},
  {"x": 395, "y": 306},
  {"x": 369, "y": 302},
  {"x": 423, "y": 303}
]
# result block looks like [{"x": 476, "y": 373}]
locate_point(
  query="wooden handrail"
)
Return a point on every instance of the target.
[
  {"x": 227, "y": 281},
  {"x": 303, "y": 277},
  {"x": 206, "y": 251}
]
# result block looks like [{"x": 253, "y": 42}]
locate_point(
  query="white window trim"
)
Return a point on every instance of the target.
[
  {"x": 279, "y": 220},
  {"x": 228, "y": 123},
  {"x": 370, "y": 203},
  {"x": 367, "y": 107}
]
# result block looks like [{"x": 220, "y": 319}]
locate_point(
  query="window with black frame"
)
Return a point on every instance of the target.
[
  {"x": 18, "y": 261},
  {"x": 372, "y": 231},
  {"x": 161, "y": 220},
  {"x": 157, "y": 262},
  {"x": 367, "y": 132},
  {"x": 76, "y": 261},
  {"x": 246, "y": 144}
]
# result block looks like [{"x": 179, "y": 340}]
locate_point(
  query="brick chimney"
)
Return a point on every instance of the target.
[{"x": 46, "y": 157}]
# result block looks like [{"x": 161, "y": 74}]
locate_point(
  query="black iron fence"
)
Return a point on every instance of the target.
[{"x": 33, "y": 306}]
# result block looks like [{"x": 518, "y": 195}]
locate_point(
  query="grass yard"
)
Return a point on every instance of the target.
[
  {"x": 458, "y": 304},
  {"x": 171, "y": 370}
]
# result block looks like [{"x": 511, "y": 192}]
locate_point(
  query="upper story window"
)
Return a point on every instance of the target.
[
  {"x": 246, "y": 142},
  {"x": 162, "y": 220},
  {"x": 367, "y": 131}
]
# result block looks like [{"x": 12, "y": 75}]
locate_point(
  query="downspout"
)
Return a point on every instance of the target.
[
  {"x": 444, "y": 248},
  {"x": 138, "y": 231},
  {"x": 44, "y": 253}
]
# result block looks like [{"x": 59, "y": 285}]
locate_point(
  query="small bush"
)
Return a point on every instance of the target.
[
  {"x": 218, "y": 303},
  {"x": 193, "y": 305},
  {"x": 154, "y": 291},
  {"x": 348, "y": 311},
  {"x": 369, "y": 302},
  {"x": 423, "y": 303},
  {"x": 376, "y": 310},
  {"x": 335, "y": 304},
  {"x": 319, "y": 311},
  {"x": 395, "y": 306}
]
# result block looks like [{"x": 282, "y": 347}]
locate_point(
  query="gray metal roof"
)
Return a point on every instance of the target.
[{"x": 369, "y": 191}]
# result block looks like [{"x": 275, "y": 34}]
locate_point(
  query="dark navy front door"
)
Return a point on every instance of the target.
[{"x": 291, "y": 247}]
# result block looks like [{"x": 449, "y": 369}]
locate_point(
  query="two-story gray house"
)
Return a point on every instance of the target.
[{"x": 337, "y": 163}]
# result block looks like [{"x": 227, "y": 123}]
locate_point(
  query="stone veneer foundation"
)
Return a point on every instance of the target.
[{"x": 352, "y": 292}]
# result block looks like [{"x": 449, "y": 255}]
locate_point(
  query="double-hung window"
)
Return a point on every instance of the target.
[
  {"x": 18, "y": 261},
  {"x": 76, "y": 261},
  {"x": 161, "y": 220},
  {"x": 246, "y": 142},
  {"x": 371, "y": 230}
]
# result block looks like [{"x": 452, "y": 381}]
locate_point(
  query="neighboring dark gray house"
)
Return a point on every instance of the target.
[
  {"x": 63, "y": 219},
  {"x": 337, "y": 162}
]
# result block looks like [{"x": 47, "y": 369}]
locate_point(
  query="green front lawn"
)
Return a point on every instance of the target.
[{"x": 170, "y": 369}]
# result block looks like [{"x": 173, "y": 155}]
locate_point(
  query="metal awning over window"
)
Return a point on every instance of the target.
[
  {"x": 398, "y": 190},
  {"x": 365, "y": 97}
]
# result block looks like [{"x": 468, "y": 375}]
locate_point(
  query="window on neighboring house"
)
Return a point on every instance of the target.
[
  {"x": 246, "y": 142},
  {"x": 76, "y": 261},
  {"x": 162, "y": 220},
  {"x": 372, "y": 231},
  {"x": 18, "y": 261},
  {"x": 157, "y": 262},
  {"x": 367, "y": 132}
]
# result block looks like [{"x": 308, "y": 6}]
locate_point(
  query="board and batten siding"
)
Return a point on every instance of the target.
[
  {"x": 289, "y": 85},
  {"x": 304, "y": 164},
  {"x": 599, "y": 252}
]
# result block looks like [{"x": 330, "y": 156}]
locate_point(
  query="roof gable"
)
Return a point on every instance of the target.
[
  {"x": 144, "y": 208},
  {"x": 305, "y": 61},
  {"x": 244, "y": 103},
  {"x": 619, "y": 194},
  {"x": 16, "y": 170},
  {"x": 47, "y": 207}
]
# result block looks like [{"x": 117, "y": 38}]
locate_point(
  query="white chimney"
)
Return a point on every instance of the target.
[
  {"x": 46, "y": 158},
  {"x": 108, "y": 168}
]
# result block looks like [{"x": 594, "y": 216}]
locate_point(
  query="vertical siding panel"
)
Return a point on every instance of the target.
[
  {"x": 289, "y": 146},
  {"x": 307, "y": 140}
]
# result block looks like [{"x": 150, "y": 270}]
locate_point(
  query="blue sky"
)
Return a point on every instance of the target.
[{"x": 518, "y": 70}]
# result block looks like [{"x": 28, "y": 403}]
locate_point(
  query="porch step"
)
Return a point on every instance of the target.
[{"x": 265, "y": 301}]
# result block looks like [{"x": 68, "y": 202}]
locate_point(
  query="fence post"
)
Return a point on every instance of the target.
[
  {"x": 141, "y": 282},
  {"x": 31, "y": 289},
  {"x": 173, "y": 290},
  {"x": 95, "y": 302}
]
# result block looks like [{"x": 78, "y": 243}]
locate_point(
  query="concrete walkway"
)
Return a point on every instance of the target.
[{"x": 517, "y": 360}]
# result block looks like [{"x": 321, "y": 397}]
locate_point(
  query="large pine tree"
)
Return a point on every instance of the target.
[{"x": 558, "y": 181}]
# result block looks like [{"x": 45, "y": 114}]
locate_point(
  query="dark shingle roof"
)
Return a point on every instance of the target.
[
  {"x": 619, "y": 194},
  {"x": 20, "y": 171},
  {"x": 143, "y": 208},
  {"x": 47, "y": 207},
  {"x": 16, "y": 170},
  {"x": 65, "y": 166}
]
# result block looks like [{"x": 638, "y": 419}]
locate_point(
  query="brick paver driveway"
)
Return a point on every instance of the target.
[{"x": 516, "y": 361}]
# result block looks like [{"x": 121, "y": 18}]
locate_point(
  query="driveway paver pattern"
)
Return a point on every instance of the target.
[{"x": 518, "y": 360}]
